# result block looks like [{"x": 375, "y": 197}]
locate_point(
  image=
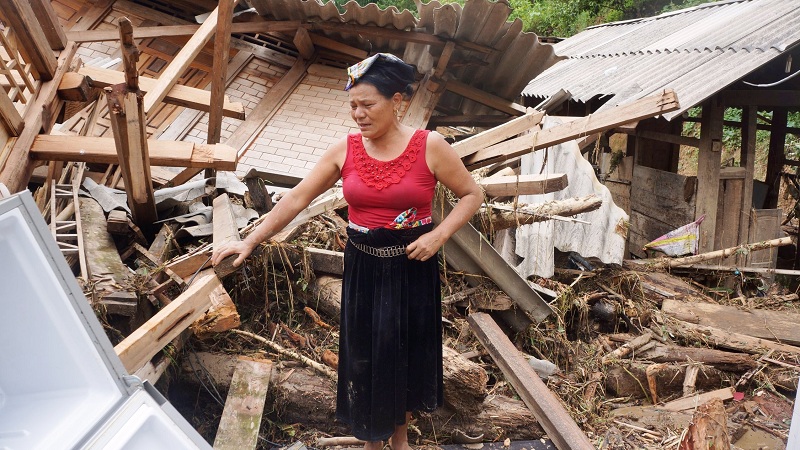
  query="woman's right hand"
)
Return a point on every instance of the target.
[{"x": 242, "y": 248}]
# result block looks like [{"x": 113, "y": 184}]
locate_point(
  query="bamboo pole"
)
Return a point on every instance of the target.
[{"x": 724, "y": 253}]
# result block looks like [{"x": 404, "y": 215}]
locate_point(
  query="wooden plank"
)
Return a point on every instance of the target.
[
  {"x": 694, "y": 401},
  {"x": 304, "y": 44},
  {"x": 225, "y": 231},
  {"x": 147, "y": 340},
  {"x": 241, "y": 418},
  {"x": 547, "y": 409},
  {"x": 498, "y": 134},
  {"x": 181, "y": 30},
  {"x": 48, "y": 147},
  {"x": 513, "y": 185},
  {"x": 485, "y": 98},
  {"x": 130, "y": 138},
  {"x": 179, "y": 94},
  {"x": 779, "y": 326},
  {"x": 103, "y": 263},
  {"x": 169, "y": 76},
  {"x": 33, "y": 45},
  {"x": 729, "y": 339},
  {"x": 481, "y": 252},
  {"x": 222, "y": 44},
  {"x": 422, "y": 104},
  {"x": 641, "y": 109},
  {"x": 53, "y": 32}
]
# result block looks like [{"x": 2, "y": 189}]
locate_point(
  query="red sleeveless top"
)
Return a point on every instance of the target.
[{"x": 378, "y": 191}]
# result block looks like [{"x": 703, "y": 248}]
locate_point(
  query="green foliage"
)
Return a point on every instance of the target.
[{"x": 383, "y": 4}]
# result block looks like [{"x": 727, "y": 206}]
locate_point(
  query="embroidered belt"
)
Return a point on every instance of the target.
[{"x": 381, "y": 252}]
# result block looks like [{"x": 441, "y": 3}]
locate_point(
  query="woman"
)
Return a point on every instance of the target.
[{"x": 390, "y": 361}]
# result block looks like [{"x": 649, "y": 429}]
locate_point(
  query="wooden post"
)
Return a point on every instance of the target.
[
  {"x": 777, "y": 156},
  {"x": 54, "y": 33},
  {"x": 222, "y": 43},
  {"x": 125, "y": 103},
  {"x": 548, "y": 410},
  {"x": 708, "y": 168},
  {"x": 748, "y": 161},
  {"x": 31, "y": 38}
]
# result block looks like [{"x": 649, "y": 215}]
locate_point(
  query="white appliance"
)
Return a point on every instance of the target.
[{"x": 62, "y": 386}]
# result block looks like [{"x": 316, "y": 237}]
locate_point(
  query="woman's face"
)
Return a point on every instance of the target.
[{"x": 372, "y": 112}]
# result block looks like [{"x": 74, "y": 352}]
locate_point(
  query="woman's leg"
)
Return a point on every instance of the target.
[
  {"x": 399, "y": 440},
  {"x": 373, "y": 445}
]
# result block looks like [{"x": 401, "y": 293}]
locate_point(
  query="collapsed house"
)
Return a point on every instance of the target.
[{"x": 122, "y": 116}]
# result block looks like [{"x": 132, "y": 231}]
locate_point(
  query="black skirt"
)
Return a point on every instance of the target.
[{"x": 390, "y": 341}]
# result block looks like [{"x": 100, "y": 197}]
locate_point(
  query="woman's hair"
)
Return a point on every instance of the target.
[{"x": 390, "y": 75}]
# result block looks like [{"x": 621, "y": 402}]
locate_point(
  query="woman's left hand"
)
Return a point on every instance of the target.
[{"x": 425, "y": 247}]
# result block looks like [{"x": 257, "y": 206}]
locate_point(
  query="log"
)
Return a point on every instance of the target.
[
  {"x": 328, "y": 297},
  {"x": 503, "y": 216},
  {"x": 629, "y": 378},
  {"x": 662, "y": 263},
  {"x": 299, "y": 395},
  {"x": 464, "y": 382},
  {"x": 777, "y": 326},
  {"x": 722, "y": 360},
  {"x": 726, "y": 339},
  {"x": 709, "y": 428},
  {"x": 628, "y": 347}
]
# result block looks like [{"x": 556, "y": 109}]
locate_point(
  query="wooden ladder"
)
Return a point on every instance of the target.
[{"x": 67, "y": 233}]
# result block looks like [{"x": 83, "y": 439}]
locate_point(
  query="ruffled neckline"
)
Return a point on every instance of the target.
[{"x": 382, "y": 174}]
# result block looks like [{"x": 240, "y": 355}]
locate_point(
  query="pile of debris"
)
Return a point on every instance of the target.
[{"x": 630, "y": 357}]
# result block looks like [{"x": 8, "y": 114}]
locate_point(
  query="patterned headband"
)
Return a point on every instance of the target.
[{"x": 358, "y": 70}]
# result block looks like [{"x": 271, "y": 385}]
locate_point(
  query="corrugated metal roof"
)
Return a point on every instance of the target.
[
  {"x": 696, "y": 52},
  {"x": 515, "y": 59}
]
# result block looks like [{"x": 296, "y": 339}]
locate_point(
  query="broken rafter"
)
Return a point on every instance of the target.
[
  {"x": 180, "y": 95},
  {"x": 641, "y": 109},
  {"x": 169, "y": 76},
  {"x": 506, "y": 216}
]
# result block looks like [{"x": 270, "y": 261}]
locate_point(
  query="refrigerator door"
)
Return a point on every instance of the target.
[{"x": 60, "y": 379}]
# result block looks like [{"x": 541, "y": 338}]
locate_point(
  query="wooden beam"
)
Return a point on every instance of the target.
[
  {"x": 53, "y": 32},
  {"x": 147, "y": 340},
  {"x": 601, "y": 121},
  {"x": 225, "y": 231},
  {"x": 180, "y": 95},
  {"x": 336, "y": 46},
  {"x": 422, "y": 103},
  {"x": 10, "y": 116},
  {"x": 125, "y": 105},
  {"x": 103, "y": 263},
  {"x": 481, "y": 252},
  {"x": 182, "y": 30},
  {"x": 304, "y": 44},
  {"x": 485, "y": 98},
  {"x": 240, "y": 423},
  {"x": 498, "y": 134},
  {"x": 778, "y": 326},
  {"x": 765, "y": 99},
  {"x": 31, "y": 38},
  {"x": 547, "y": 409},
  {"x": 169, "y": 76},
  {"x": 47, "y": 147},
  {"x": 513, "y": 185},
  {"x": 75, "y": 87},
  {"x": 222, "y": 46},
  {"x": 708, "y": 169},
  {"x": 16, "y": 170}
]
